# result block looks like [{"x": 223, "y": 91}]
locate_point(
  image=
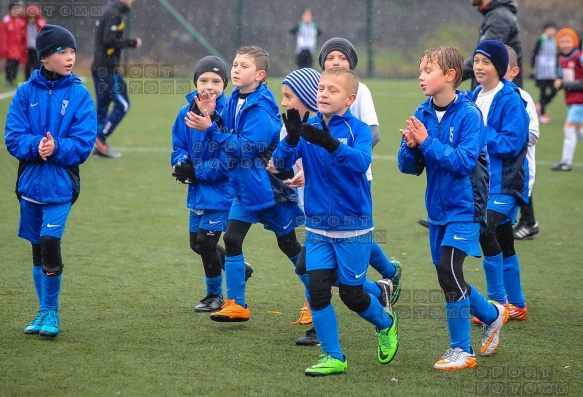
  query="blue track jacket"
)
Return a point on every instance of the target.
[
  {"x": 249, "y": 138},
  {"x": 213, "y": 189},
  {"x": 65, "y": 108},
  {"x": 507, "y": 135},
  {"x": 455, "y": 159},
  {"x": 337, "y": 193}
]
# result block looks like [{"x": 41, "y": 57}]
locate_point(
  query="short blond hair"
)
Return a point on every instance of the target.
[
  {"x": 446, "y": 58},
  {"x": 512, "y": 57},
  {"x": 349, "y": 78}
]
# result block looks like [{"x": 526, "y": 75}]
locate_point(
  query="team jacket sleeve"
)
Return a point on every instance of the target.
[
  {"x": 410, "y": 161},
  {"x": 462, "y": 158},
  {"x": 509, "y": 141},
  {"x": 20, "y": 141},
  {"x": 359, "y": 157},
  {"x": 179, "y": 143},
  {"x": 77, "y": 146},
  {"x": 110, "y": 39},
  {"x": 285, "y": 155}
]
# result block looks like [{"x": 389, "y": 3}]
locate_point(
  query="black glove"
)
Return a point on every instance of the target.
[
  {"x": 293, "y": 125},
  {"x": 184, "y": 171},
  {"x": 320, "y": 137}
]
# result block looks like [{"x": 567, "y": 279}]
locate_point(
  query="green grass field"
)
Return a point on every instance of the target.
[{"x": 131, "y": 282}]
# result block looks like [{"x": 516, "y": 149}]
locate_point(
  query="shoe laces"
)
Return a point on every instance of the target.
[
  {"x": 452, "y": 355},
  {"x": 51, "y": 319},
  {"x": 39, "y": 318},
  {"x": 384, "y": 338}
]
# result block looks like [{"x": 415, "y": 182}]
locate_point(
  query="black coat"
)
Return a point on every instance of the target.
[{"x": 500, "y": 23}]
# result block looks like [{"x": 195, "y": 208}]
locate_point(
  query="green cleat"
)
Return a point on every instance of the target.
[
  {"x": 388, "y": 341},
  {"x": 396, "y": 280},
  {"x": 327, "y": 365}
]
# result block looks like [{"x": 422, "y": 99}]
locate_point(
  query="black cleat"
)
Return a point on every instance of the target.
[
  {"x": 209, "y": 303},
  {"x": 525, "y": 232},
  {"x": 423, "y": 222},
  {"x": 248, "y": 271},
  {"x": 309, "y": 339}
]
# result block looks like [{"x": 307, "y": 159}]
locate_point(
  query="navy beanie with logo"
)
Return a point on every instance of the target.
[
  {"x": 496, "y": 52},
  {"x": 53, "y": 38},
  {"x": 342, "y": 45},
  {"x": 213, "y": 64},
  {"x": 304, "y": 83}
]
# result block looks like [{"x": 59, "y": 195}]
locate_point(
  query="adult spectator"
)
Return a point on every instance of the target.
[
  {"x": 13, "y": 40},
  {"x": 306, "y": 33},
  {"x": 499, "y": 23},
  {"x": 110, "y": 85},
  {"x": 35, "y": 22}
]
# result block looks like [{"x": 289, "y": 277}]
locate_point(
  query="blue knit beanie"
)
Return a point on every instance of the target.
[
  {"x": 304, "y": 83},
  {"x": 53, "y": 38},
  {"x": 342, "y": 45},
  {"x": 496, "y": 52}
]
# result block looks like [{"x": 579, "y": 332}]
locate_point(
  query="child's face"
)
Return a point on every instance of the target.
[
  {"x": 336, "y": 58},
  {"x": 333, "y": 97},
  {"x": 566, "y": 44},
  {"x": 291, "y": 100},
  {"x": 210, "y": 82},
  {"x": 550, "y": 32},
  {"x": 431, "y": 78},
  {"x": 244, "y": 73},
  {"x": 60, "y": 62},
  {"x": 485, "y": 71}
]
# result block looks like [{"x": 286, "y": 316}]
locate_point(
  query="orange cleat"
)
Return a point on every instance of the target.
[
  {"x": 231, "y": 312},
  {"x": 305, "y": 315},
  {"x": 517, "y": 313},
  {"x": 456, "y": 359}
]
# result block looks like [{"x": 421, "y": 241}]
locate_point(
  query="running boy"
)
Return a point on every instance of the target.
[
  {"x": 571, "y": 79},
  {"x": 446, "y": 137},
  {"x": 210, "y": 192},
  {"x": 248, "y": 131},
  {"x": 507, "y": 133},
  {"x": 336, "y": 149},
  {"x": 50, "y": 128}
]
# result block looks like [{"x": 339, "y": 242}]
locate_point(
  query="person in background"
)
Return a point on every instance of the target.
[
  {"x": 13, "y": 40},
  {"x": 544, "y": 69},
  {"x": 35, "y": 23},
  {"x": 306, "y": 33}
]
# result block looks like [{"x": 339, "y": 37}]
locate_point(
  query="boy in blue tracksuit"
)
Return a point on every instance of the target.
[
  {"x": 506, "y": 120},
  {"x": 205, "y": 170},
  {"x": 446, "y": 137},
  {"x": 50, "y": 128},
  {"x": 336, "y": 150},
  {"x": 247, "y": 130}
]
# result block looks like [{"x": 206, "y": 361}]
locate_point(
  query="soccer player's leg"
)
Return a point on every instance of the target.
[
  {"x": 388, "y": 269},
  {"x": 516, "y": 302}
]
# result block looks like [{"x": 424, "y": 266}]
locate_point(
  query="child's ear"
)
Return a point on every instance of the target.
[
  {"x": 450, "y": 75},
  {"x": 351, "y": 99},
  {"x": 261, "y": 74}
]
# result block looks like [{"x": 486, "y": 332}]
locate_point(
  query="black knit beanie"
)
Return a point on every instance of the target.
[
  {"x": 53, "y": 38},
  {"x": 342, "y": 45},
  {"x": 211, "y": 64}
]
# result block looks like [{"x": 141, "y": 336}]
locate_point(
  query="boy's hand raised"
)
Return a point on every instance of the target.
[
  {"x": 184, "y": 171},
  {"x": 206, "y": 102},
  {"x": 320, "y": 137},
  {"x": 293, "y": 125}
]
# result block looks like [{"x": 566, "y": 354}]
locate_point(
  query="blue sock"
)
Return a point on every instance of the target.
[
  {"x": 235, "y": 275},
  {"x": 458, "y": 322},
  {"x": 51, "y": 286},
  {"x": 372, "y": 289},
  {"x": 512, "y": 281},
  {"x": 37, "y": 272},
  {"x": 326, "y": 327},
  {"x": 481, "y": 308},
  {"x": 214, "y": 285},
  {"x": 494, "y": 270},
  {"x": 379, "y": 261},
  {"x": 375, "y": 314}
]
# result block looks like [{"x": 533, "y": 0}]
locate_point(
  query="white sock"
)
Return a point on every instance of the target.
[{"x": 569, "y": 145}]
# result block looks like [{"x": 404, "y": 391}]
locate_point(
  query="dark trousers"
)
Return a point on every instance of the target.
[
  {"x": 527, "y": 214},
  {"x": 110, "y": 87},
  {"x": 305, "y": 59},
  {"x": 547, "y": 92},
  {"x": 32, "y": 64},
  {"x": 11, "y": 70}
]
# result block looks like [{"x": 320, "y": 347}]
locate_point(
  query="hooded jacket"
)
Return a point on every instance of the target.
[
  {"x": 499, "y": 23},
  {"x": 507, "y": 141},
  {"x": 109, "y": 36},
  {"x": 65, "y": 108},
  {"x": 454, "y": 156},
  {"x": 249, "y": 138},
  {"x": 212, "y": 189},
  {"x": 337, "y": 193}
]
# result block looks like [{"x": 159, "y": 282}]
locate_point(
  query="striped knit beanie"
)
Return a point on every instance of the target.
[{"x": 304, "y": 83}]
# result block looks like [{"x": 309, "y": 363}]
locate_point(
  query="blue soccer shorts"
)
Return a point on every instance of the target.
[
  {"x": 208, "y": 220},
  {"x": 504, "y": 204},
  {"x": 37, "y": 220},
  {"x": 281, "y": 218},
  {"x": 464, "y": 236},
  {"x": 575, "y": 114},
  {"x": 349, "y": 256}
]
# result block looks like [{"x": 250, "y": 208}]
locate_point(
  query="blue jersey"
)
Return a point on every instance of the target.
[
  {"x": 212, "y": 189},
  {"x": 65, "y": 109},
  {"x": 249, "y": 137},
  {"x": 453, "y": 155},
  {"x": 337, "y": 193},
  {"x": 507, "y": 141}
]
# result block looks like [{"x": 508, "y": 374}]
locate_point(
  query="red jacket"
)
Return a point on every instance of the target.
[
  {"x": 572, "y": 75},
  {"x": 13, "y": 39}
]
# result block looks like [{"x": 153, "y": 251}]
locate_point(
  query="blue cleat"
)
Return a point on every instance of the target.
[
  {"x": 50, "y": 327},
  {"x": 36, "y": 324}
]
